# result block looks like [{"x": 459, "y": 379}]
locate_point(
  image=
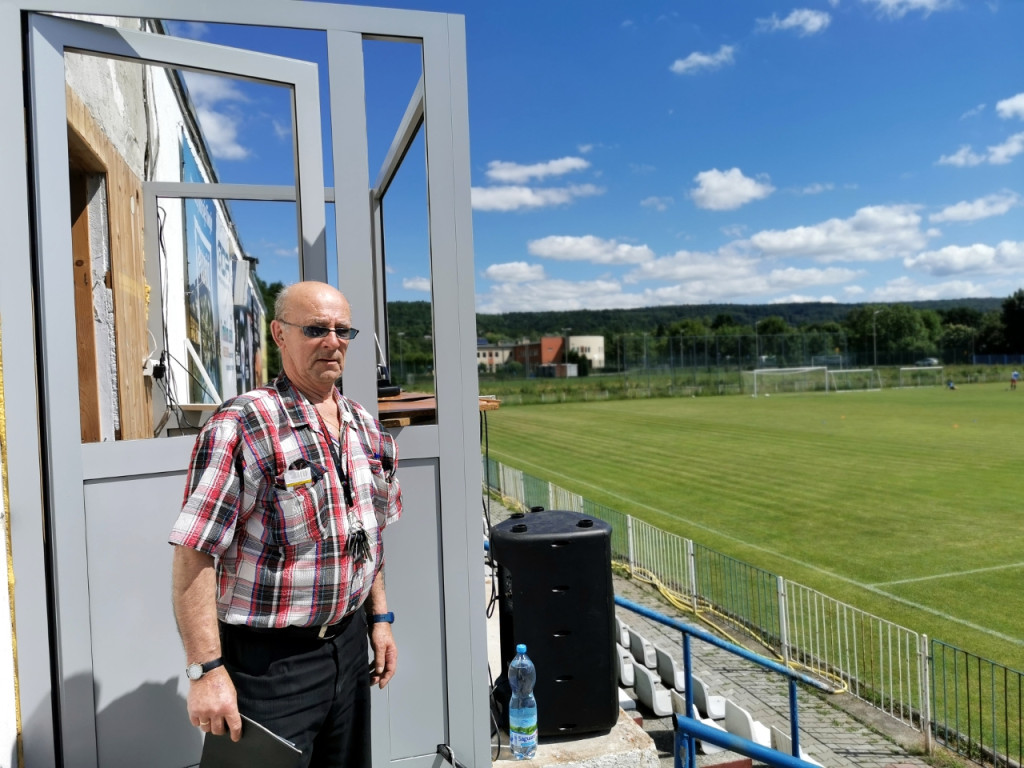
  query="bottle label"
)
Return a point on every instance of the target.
[{"x": 523, "y": 738}]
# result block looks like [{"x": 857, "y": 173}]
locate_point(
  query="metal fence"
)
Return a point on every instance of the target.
[
  {"x": 973, "y": 706},
  {"x": 977, "y": 707}
]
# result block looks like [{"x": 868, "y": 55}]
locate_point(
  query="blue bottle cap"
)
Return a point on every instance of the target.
[{"x": 521, "y": 648}]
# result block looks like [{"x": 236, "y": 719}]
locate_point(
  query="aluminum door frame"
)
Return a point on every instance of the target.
[
  {"x": 49, "y": 38},
  {"x": 444, "y": 64}
]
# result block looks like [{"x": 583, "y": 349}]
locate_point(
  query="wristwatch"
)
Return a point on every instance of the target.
[
  {"x": 377, "y": 618},
  {"x": 195, "y": 670}
]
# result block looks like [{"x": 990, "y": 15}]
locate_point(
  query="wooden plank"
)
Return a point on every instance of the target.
[
  {"x": 127, "y": 268},
  {"x": 85, "y": 329}
]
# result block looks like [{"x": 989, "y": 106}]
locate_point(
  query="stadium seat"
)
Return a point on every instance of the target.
[
  {"x": 739, "y": 723},
  {"x": 679, "y": 707},
  {"x": 623, "y": 632},
  {"x": 642, "y": 650},
  {"x": 650, "y": 692},
  {"x": 625, "y": 666},
  {"x": 626, "y": 702},
  {"x": 709, "y": 705},
  {"x": 671, "y": 674},
  {"x": 783, "y": 742}
]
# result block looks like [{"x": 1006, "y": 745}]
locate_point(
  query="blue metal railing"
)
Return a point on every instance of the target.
[{"x": 689, "y": 728}]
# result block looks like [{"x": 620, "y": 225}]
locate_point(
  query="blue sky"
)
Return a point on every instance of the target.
[{"x": 631, "y": 154}]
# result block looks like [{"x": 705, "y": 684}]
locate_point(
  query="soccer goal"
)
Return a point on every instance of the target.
[
  {"x": 921, "y": 376},
  {"x": 854, "y": 380},
  {"x": 808, "y": 379}
]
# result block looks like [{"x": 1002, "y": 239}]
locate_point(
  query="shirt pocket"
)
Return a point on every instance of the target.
[
  {"x": 299, "y": 511},
  {"x": 381, "y": 490}
]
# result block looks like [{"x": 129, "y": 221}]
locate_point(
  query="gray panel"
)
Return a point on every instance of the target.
[
  {"x": 137, "y": 657},
  {"x": 125, "y": 458},
  {"x": 24, "y": 481},
  {"x": 451, "y": 249},
  {"x": 416, "y": 705}
]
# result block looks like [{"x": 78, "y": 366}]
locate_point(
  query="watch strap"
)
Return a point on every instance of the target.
[{"x": 377, "y": 618}]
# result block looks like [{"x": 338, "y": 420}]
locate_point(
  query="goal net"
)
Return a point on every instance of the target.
[
  {"x": 772, "y": 380},
  {"x": 854, "y": 380},
  {"x": 921, "y": 376}
]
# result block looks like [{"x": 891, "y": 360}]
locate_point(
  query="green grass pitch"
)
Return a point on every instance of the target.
[{"x": 906, "y": 503}]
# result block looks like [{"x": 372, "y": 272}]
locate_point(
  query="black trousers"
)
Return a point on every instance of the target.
[{"x": 313, "y": 692}]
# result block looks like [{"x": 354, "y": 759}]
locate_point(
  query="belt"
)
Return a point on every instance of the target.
[{"x": 316, "y": 632}]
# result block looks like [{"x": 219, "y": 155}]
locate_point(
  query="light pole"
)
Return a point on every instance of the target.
[
  {"x": 401, "y": 359},
  {"x": 757, "y": 348},
  {"x": 874, "y": 338},
  {"x": 565, "y": 347}
]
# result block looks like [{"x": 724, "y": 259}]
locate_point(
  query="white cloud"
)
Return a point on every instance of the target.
[
  {"x": 281, "y": 130},
  {"x": 213, "y": 97},
  {"x": 221, "y": 133},
  {"x": 416, "y": 284},
  {"x": 853, "y": 290},
  {"x": 694, "y": 265},
  {"x": 727, "y": 190},
  {"x": 192, "y": 30},
  {"x": 557, "y": 295},
  {"x": 962, "y": 158},
  {"x": 696, "y": 62},
  {"x": 589, "y": 248},
  {"x": 956, "y": 259},
  {"x": 513, "y": 198},
  {"x": 982, "y": 208},
  {"x": 905, "y": 289},
  {"x": 817, "y": 188},
  {"x": 973, "y": 112},
  {"x": 873, "y": 233},
  {"x": 791, "y": 277},
  {"x": 806, "y": 21},
  {"x": 208, "y": 90},
  {"x": 584, "y": 149},
  {"x": 1003, "y": 153},
  {"x": 514, "y": 272},
  {"x": 514, "y": 173},
  {"x": 799, "y": 298},
  {"x": 1011, "y": 107},
  {"x": 997, "y": 154},
  {"x": 657, "y": 203},
  {"x": 899, "y": 8}
]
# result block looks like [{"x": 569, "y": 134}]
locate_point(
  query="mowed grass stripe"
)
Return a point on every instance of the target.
[{"x": 872, "y": 488}]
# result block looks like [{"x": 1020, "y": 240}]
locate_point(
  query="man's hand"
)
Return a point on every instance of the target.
[
  {"x": 385, "y": 654},
  {"x": 213, "y": 705}
]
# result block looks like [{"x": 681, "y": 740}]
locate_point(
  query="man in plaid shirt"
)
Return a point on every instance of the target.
[{"x": 278, "y": 548}]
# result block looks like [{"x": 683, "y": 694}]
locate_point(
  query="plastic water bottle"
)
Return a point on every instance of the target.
[{"x": 522, "y": 708}]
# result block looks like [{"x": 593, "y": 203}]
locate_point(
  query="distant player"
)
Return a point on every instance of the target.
[
  {"x": 1014, "y": 378},
  {"x": 950, "y": 384}
]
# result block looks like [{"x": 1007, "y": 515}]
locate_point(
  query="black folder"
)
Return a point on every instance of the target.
[{"x": 258, "y": 746}]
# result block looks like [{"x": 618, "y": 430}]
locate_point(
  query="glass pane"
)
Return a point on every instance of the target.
[
  {"x": 171, "y": 294},
  {"x": 393, "y": 71}
]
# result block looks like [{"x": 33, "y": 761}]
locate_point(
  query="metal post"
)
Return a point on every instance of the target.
[
  {"x": 783, "y": 619},
  {"x": 924, "y": 667},
  {"x": 691, "y": 564},
  {"x": 629, "y": 540},
  {"x": 874, "y": 337},
  {"x": 794, "y": 724}
]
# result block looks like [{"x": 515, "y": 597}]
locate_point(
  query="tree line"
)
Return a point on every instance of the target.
[{"x": 957, "y": 328}]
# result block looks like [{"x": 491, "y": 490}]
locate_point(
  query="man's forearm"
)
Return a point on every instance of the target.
[
  {"x": 377, "y": 601},
  {"x": 194, "y": 595}
]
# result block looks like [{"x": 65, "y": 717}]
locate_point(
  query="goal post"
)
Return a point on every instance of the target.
[
  {"x": 805, "y": 379},
  {"x": 854, "y": 380},
  {"x": 921, "y": 376}
]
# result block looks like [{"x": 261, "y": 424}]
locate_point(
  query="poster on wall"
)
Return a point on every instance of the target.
[
  {"x": 202, "y": 307},
  {"x": 226, "y": 308}
]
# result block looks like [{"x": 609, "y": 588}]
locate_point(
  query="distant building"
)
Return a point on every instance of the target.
[
  {"x": 591, "y": 347},
  {"x": 493, "y": 356}
]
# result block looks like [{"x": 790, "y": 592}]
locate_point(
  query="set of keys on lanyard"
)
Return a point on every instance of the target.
[{"x": 357, "y": 543}]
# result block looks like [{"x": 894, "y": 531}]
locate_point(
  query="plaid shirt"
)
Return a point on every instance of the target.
[{"x": 264, "y": 497}]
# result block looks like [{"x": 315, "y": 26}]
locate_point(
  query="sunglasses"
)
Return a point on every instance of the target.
[{"x": 319, "y": 332}]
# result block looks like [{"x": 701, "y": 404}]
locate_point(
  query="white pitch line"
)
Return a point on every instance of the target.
[
  {"x": 951, "y": 574},
  {"x": 775, "y": 553}
]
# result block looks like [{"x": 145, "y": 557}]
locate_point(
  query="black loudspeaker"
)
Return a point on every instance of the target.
[{"x": 556, "y": 596}]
